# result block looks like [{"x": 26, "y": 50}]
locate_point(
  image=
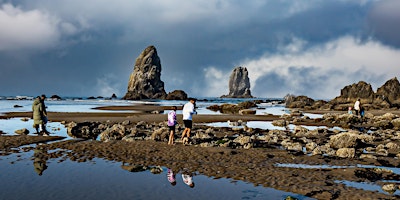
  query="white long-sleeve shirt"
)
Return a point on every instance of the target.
[
  {"x": 357, "y": 105},
  {"x": 188, "y": 111}
]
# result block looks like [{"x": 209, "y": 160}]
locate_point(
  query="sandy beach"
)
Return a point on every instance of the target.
[{"x": 257, "y": 165}]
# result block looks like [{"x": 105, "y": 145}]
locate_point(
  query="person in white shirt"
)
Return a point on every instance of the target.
[
  {"x": 187, "y": 112},
  {"x": 357, "y": 106}
]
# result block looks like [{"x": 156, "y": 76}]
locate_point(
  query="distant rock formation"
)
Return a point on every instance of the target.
[
  {"x": 145, "y": 80},
  {"x": 387, "y": 96},
  {"x": 390, "y": 91},
  {"x": 239, "y": 84},
  {"x": 177, "y": 95},
  {"x": 351, "y": 93}
]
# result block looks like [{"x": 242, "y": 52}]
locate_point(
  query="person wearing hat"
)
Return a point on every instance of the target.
[{"x": 187, "y": 112}]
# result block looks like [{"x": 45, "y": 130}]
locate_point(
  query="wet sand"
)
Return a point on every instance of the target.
[{"x": 257, "y": 166}]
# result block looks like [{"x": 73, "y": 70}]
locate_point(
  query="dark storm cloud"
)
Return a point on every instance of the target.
[
  {"x": 90, "y": 46},
  {"x": 383, "y": 21}
]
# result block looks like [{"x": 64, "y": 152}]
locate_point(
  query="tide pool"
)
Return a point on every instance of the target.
[{"x": 102, "y": 179}]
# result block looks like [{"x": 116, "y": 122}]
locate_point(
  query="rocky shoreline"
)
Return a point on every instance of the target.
[{"x": 240, "y": 153}]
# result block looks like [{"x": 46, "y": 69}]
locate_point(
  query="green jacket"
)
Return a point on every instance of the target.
[{"x": 37, "y": 109}]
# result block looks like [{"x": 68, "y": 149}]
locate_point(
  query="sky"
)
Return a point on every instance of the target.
[{"x": 88, "y": 48}]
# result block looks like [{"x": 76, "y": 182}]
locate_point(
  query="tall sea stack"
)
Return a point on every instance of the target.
[
  {"x": 239, "y": 84},
  {"x": 145, "y": 80}
]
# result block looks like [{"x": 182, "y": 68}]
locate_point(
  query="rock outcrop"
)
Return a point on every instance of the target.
[
  {"x": 351, "y": 93},
  {"x": 390, "y": 91},
  {"x": 177, "y": 95},
  {"x": 145, "y": 80},
  {"x": 386, "y": 97},
  {"x": 239, "y": 84}
]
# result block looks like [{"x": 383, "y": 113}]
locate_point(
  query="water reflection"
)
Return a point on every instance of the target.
[
  {"x": 101, "y": 179},
  {"x": 171, "y": 177},
  {"x": 40, "y": 159},
  {"x": 187, "y": 178}
]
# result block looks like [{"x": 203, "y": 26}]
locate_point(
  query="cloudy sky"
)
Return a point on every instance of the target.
[{"x": 88, "y": 48}]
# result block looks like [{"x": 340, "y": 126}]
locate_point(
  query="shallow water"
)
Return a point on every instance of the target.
[
  {"x": 370, "y": 186},
  {"x": 100, "y": 179},
  {"x": 9, "y": 126}
]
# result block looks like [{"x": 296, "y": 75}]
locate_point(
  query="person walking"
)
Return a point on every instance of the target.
[
  {"x": 44, "y": 115},
  {"x": 187, "y": 112},
  {"x": 362, "y": 112},
  {"x": 37, "y": 111},
  {"x": 171, "y": 125},
  {"x": 357, "y": 106}
]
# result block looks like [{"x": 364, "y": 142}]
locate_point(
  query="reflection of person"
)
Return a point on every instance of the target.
[
  {"x": 188, "y": 180},
  {"x": 39, "y": 162},
  {"x": 37, "y": 111},
  {"x": 187, "y": 112},
  {"x": 171, "y": 177},
  {"x": 171, "y": 125},
  {"x": 357, "y": 106}
]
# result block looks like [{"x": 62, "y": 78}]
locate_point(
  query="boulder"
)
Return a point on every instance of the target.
[
  {"x": 23, "y": 131},
  {"x": 389, "y": 91},
  {"x": 86, "y": 130},
  {"x": 116, "y": 132},
  {"x": 177, "y": 95},
  {"x": 344, "y": 140},
  {"x": 55, "y": 97},
  {"x": 145, "y": 80},
  {"x": 299, "y": 102},
  {"x": 346, "y": 152},
  {"x": 247, "y": 112}
]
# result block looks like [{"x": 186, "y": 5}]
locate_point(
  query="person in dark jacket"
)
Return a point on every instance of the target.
[
  {"x": 44, "y": 115},
  {"x": 39, "y": 116}
]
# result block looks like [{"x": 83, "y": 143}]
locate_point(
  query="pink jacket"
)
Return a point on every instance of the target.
[{"x": 172, "y": 118}]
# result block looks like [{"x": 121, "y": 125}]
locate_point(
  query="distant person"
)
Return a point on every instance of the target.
[
  {"x": 44, "y": 115},
  {"x": 188, "y": 180},
  {"x": 350, "y": 111},
  {"x": 171, "y": 177},
  {"x": 187, "y": 112},
  {"x": 171, "y": 124},
  {"x": 357, "y": 106},
  {"x": 362, "y": 111},
  {"x": 37, "y": 112}
]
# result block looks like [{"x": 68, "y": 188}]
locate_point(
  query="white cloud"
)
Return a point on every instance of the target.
[
  {"x": 340, "y": 62},
  {"x": 216, "y": 83},
  {"x": 107, "y": 85},
  {"x": 31, "y": 29}
]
